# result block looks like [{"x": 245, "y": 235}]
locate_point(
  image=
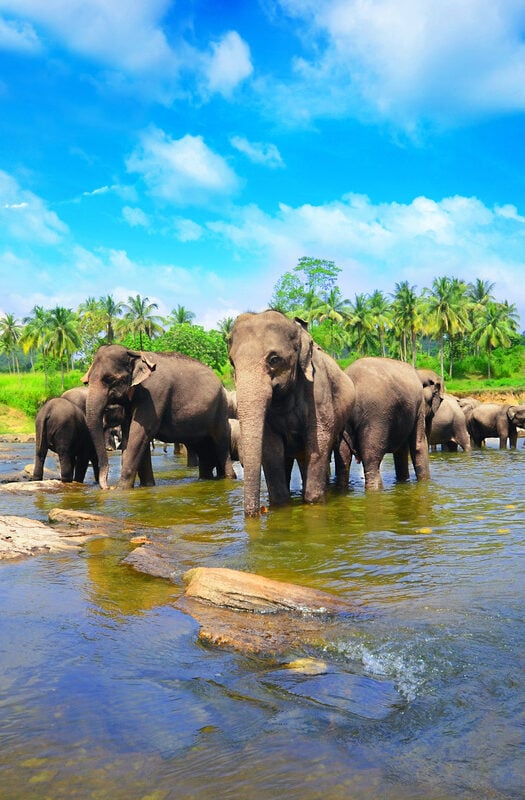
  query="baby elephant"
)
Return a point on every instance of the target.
[{"x": 61, "y": 427}]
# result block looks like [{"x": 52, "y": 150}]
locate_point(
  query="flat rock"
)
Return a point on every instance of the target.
[
  {"x": 28, "y": 486},
  {"x": 245, "y": 591},
  {"x": 21, "y": 537},
  {"x": 258, "y": 615}
]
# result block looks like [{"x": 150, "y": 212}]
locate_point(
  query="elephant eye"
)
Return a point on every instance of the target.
[{"x": 274, "y": 360}]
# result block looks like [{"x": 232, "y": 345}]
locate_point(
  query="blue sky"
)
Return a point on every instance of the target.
[{"x": 193, "y": 151}]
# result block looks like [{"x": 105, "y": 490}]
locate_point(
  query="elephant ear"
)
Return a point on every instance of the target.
[
  {"x": 306, "y": 347},
  {"x": 142, "y": 368},
  {"x": 511, "y": 412},
  {"x": 85, "y": 377}
]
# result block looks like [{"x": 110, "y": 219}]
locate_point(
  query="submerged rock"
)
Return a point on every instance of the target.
[{"x": 21, "y": 537}]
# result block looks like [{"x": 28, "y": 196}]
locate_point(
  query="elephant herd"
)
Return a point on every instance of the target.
[{"x": 292, "y": 404}]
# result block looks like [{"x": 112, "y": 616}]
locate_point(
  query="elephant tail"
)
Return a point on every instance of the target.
[{"x": 349, "y": 439}]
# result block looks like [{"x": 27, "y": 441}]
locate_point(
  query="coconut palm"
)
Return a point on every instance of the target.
[
  {"x": 448, "y": 312},
  {"x": 494, "y": 328},
  {"x": 406, "y": 318},
  {"x": 381, "y": 312},
  {"x": 64, "y": 338},
  {"x": 35, "y": 335},
  {"x": 110, "y": 310},
  {"x": 10, "y": 333},
  {"x": 139, "y": 320},
  {"x": 180, "y": 316},
  {"x": 359, "y": 325}
]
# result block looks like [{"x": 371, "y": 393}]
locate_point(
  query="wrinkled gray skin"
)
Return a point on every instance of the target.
[
  {"x": 449, "y": 426},
  {"x": 235, "y": 440},
  {"x": 293, "y": 401},
  {"x": 468, "y": 403},
  {"x": 114, "y": 416},
  {"x": 495, "y": 420},
  {"x": 166, "y": 396},
  {"x": 388, "y": 417},
  {"x": 433, "y": 392},
  {"x": 61, "y": 427}
]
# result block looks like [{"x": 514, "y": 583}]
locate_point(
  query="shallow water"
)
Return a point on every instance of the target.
[{"x": 105, "y": 691}]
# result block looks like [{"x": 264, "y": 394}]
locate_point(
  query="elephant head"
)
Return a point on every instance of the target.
[
  {"x": 270, "y": 354},
  {"x": 433, "y": 392},
  {"x": 516, "y": 415},
  {"x": 111, "y": 379}
]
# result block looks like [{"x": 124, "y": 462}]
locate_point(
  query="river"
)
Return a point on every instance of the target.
[{"x": 106, "y": 692}]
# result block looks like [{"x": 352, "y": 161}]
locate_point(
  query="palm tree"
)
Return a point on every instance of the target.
[
  {"x": 225, "y": 326},
  {"x": 335, "y": 309},
  {"x": 64, "y": 338},
  {"x": 494, "y": 328},
  {"x": 406, "y": 317},
  {"x": 10, "y": 333},
  {"x": 381, "y": 311},
  {"x": 35, "y": 335},
  {"x": 180, "y": 316},
  {"x": 479, "y": 294},
  {"x": 360, "y": 325},
  {"x": 139, "y": 320},
  {"x": 311, "y": 308},
  {"x": 110, "y": 310},
  {"x": 448, "y": 310}
]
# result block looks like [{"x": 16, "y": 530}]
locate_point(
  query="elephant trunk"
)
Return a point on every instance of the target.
[
  {"x": 94, "y": 417},
  {"x": 254, "y": 394}
]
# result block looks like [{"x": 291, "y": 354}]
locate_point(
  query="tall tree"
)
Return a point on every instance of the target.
[
  {"x": 139, "y": 319},
  {"x": 494, "y": 328},
  {"x": 10, "y": 333},
  {"x": 320, "y": 274},
  {"x": 448, "y": 309},
  {"x": 110, "y": 311},
  {"x": 359, "y": 325},
  {"x": 35, "y": 335},
  {"x": 180, "y": 316},
  {"x": 406, "y": 318},
  {"x": 381, "y": 313},
  {"x": 64, "y": 338}
]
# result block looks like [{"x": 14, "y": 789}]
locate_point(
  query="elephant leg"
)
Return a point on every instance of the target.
[
  {"x": 66, "y": 466},
  {"x": 137, "y": 455},
  {"x": 276, "y": 470},
  {"x": 38, "y": 469},
  {"x": 401, "y": 463},
  {"x": 81, "y": 465},
  {"x": 145, "y": 469},
  {"x": 373, "y": 480}
]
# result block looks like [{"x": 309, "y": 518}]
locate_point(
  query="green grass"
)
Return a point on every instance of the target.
[{"x": 28, "y": 391}]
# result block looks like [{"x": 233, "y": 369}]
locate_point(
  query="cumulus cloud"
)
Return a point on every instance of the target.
[
  {"x": 135, "y": 217},
  {"x": 408, "y": 60},
  {"x": 228, "y": 65},
  {"x": 24, "y": 216},
  {"x": 258, "y": 152},
  {"x": 181, "y": 171},
  {"x": 378, "y": 245},
  {"x": 126, "y": 36}
]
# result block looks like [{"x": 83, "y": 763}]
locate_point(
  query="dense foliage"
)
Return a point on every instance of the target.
[{"x": 453, "y": 326}]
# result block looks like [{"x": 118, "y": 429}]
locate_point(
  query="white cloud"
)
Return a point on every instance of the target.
[
  {"x": 18, "y": 36},
  {"x": 181, "y": 171},
  {"x": 258, "y": 152},
  {"x": 187, "y": 230},
  {"x": 25, "y": 216},
  {"x": 229, "y": 64},
  {"x": 135, "y": 217},
  {"x": 125, "y": 36},
  {"x": 408, "y": 60}
]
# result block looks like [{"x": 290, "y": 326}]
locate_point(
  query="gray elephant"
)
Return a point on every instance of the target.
[
  {"x": 61, "y": 427},
  {"x": 495, "y": 420},
  {"x": 449, "y": 426},
  {"x": 388, "y": 416},
  {"x": 433, "y": 392},
  {"x": 293, "y": 401},
  {"x": 167, "y": 396},
  {"x": 113, "y": 420}
]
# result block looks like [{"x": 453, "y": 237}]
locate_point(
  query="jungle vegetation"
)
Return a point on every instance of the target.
[{"x": 457, "y": 328}]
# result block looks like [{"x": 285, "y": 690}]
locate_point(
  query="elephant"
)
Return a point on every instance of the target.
[
  {"x": 433, "y": 392},
  {"x": 389, "y": 416},
  {"x": 113, "y": 416},
  {"x": 495, "y": 420},
  {"x": 293, "y": 401},
  {"x": 449, "y": 426},
  {"x": 167, "y": 396},
  {"x": 61, "y": 427},
  {"x": 235, "y": 440}
]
